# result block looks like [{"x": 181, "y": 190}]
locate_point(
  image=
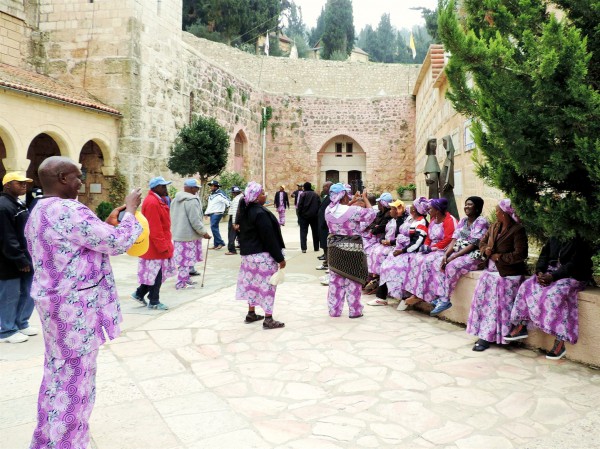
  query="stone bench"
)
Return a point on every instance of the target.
[{"x": 587, "y": 349}]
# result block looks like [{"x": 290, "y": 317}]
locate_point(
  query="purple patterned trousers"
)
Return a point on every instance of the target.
[{"x": 340, "y": 289}]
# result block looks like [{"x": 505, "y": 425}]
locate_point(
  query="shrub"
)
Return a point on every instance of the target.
[{"x": 104, "y": 209}]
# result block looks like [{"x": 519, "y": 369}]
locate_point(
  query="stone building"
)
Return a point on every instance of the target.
[{"x": 132, "y": 78}]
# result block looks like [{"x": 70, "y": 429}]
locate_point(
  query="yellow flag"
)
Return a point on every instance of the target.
[{"x": 412, "y": 45}]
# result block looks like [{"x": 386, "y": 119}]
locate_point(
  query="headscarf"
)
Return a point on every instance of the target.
[
  {"x": 421, "y": 205},
  {"x": 348, "y": 188},
  {"x": 477, "y": 202},
  {"x": 252, "y": 192},
  {"x": 440, "y": 204},
  {"x": 385, "y": 199},
  {"x": 506, "y": 207},
  {"x": 336, "y": 193}
]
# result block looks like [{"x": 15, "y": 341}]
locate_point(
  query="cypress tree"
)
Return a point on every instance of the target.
[{"x": 524, "y": 78}]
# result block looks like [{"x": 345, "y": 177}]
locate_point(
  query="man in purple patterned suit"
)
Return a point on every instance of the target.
[{"x": 75, "y": 297}]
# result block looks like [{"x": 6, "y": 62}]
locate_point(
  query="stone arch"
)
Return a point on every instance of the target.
[
  {"x": 240, "y": 150},
  {"x": 107, "y": 153},
  {"x": 343, "y": 154},
  {"x": 95, "y": 187},
  {"x": 9, "y": 154},
  {"x": 60, "y": 137},
  {"x": 41, "y": 147}
]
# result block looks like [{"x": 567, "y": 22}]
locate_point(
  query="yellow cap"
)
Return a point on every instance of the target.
[
  {"x": 14, "y": 176},
  {"x": 397, "y": 204},
  {"x": 141, "y": 245}
]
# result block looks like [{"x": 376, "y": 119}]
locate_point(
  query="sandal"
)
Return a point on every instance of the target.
[
  {"x": 371, "y": 287},
  {"x": 252, "y": 317},
  {"x": 355, "y": 316},
  {"x": 272, "y": 324},
  {"x": 413, "y": 300},
  {"x": 481, "y": 345}
]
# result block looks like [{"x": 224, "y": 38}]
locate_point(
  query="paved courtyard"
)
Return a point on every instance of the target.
[{"x": 197, "y": 377}]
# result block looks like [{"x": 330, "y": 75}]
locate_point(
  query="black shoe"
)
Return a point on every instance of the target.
[
  {"x": 558, "y": 350},
  {"x": 519, "y": 332},
  {"x": 303, "y": 250},
  {"x": 322, "y": 257},
  {"x": 481, "y": 345},
  {"x": 194, "y": 273}
]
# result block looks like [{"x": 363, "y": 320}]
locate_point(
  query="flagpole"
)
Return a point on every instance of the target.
[{"x": 264, "y": 147}]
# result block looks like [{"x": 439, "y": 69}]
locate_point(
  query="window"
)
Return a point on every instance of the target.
[
  {"x": 458, "y": 183},
  {"x": 349, "y": 149},
  {"x": 333, "y": 176},
  {"x": 338, "y": 149},
  {"x": 469, "y": 142}
]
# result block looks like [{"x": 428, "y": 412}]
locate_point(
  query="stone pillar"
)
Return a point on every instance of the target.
[{"x": 16, "y": 164}]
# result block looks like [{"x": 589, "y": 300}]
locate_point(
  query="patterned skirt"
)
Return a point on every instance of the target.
[
  {"x": 553, "y": 309},
  {"x": 376, "y": 256},
  {"x": 394, "y": 271},
  {"x": 187, "y": 254},
  {"x": 253, "y": 281},
  {"x": 489, "y": 317},
  {"x": 148, "y": 270},
  {"x": 455, "y": 269},
  {"x": 424, "y": 276}
]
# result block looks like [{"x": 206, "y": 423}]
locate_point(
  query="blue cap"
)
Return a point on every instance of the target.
[
  {"x": 235, "y": 189},
  {"x": 158, "y": 181},
  {"x": 337, "y": 188},
  {"x": 387, "y": 197},
  {"x": 192, "y": 183}
]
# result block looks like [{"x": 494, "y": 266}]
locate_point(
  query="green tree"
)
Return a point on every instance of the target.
[
  {"x": 431, "y": 22},
  {"x": 338, "y": 32},
  {"x": 524, "y": 77},
  {"x": 295, "y": 25},
  {"x": 200, "y": 147},
  {"x": 317, "y": 33},
  {"x": 386, "y": 39}
]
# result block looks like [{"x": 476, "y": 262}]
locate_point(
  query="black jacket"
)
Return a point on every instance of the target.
[
  {"x": 286, "y": 201},
  {"x": 308, "y": 206},
  {"x": 260, "y": 232},
  {"x": 322, "y": 222},
  {"x": 381, "y": 220},
  {"x": 13, "y": 254},
  {"x": 575, "y": 257}
]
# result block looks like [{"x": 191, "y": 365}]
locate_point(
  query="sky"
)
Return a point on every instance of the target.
[{"x": 370, "y": 12}]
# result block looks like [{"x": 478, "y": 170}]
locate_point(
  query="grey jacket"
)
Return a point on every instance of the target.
[{"x": 186, "y": 218}]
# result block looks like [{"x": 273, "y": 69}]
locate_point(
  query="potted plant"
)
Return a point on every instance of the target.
[{"x": 407, "y": 192}]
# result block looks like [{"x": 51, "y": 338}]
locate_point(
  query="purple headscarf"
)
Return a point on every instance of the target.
[
  {"x": 337, "y": 192},
  {"x": 252, "y": 192},
  {"x": 348, "y": 188},
  {"x": 440, "y": 204},
  {"x": 421, "y": 205},
  {"x": 506, "y": 207}
]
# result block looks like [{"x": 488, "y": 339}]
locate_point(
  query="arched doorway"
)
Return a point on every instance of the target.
[
  {"x": 2, "y": 157},
  {"x": 238, "y": 152},
  {"x": 41, "y": 147},
  {"x": 342, "y": 159},
  {"x": 95, "y": 186}
]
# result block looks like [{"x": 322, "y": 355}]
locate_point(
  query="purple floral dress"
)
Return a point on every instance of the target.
[
  {"x": 458, "y": 267},
  {"x": 378, "y": 251},
  {"x": 553, "y": 309},
  {"x": 76, "y": 299},
  {"x": 352, "y": 222},
  {"x": 185, "y": 255}
]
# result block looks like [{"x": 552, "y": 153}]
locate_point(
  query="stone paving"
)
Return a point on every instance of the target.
[{"x": 197, "y": 377}]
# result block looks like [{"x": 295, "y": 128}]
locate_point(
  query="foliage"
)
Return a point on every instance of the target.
[
  {"x": 524, "y": 77},
  {"x": 338, "y": 55},
  {"x": 301, "y": 46},
  {"x": 338, "y": 28},
  {"x": 295, "y": 24},
  {"x": 431, "y": 23},
  {"x": 403, "y": 188},
  {"x": 230, "y": 179},
  {"x": 204, "y": 32},
  {"x": 266, "y": 116},
  {"x": 104, "y": 209},
  {"x": 171, "y": 191},
  {"x": 316, "y": 33},
  {"x": 117, "y": 189},
  {"x": 200, "y": 147}
]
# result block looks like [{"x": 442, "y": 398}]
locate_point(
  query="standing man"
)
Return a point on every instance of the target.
[
  {"x": 75, "y": 296},
  {"x": 296, "y": 195},
  {"x": 217, "y": 203},
  {"x": 157, "y": 264},
  {"x": 16, "y": 273},
  {"x": 308, "y": 211},
  {"x": 232, "y": 228},
  {"x": 281, "y": 203},
  {"x": 323, "y": 228},
  {"x": 188, "y": 230}
]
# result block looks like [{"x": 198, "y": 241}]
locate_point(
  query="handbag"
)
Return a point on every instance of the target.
[
  {"x": 346, "y": 257},
  {"x": 278, "y": 277}
]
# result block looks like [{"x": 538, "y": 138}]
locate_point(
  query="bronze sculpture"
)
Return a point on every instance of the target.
[
  {"x": 432, "y": 168},
  {"x": 447, "y": 177}
]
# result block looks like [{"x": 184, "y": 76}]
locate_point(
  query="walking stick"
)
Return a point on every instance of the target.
[{"x": 205, "y": 260}]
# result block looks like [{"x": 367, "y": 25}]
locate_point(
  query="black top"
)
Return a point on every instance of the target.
[
  {"x": 260, "y": 232},
  {"x": 322, "y": 223},
  {"x": 13, "y": 246},
  {"x": 381, "y": 220},
  {"x": 286, "y": 201},
  {"x": 308, "y": 207},
  {"x": 295, "y": 196},
  {"x": 399, "y": 222},
  {"x": 574, "y": 258}
]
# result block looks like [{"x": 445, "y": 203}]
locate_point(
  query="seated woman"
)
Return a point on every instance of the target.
[
  {"x": 386, "y": 245},
  {"x": 548, "y": 299},
  {"x": 397, "y": 264},
  {"x": 422, "y": 280},
  {"x": 462, "y": 254},
  {"x": 344, "y": 220},
  {"x": 375, "y": 232},
  {"x": 504, "y": 248}
]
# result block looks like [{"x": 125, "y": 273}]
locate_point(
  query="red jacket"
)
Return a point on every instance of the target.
[{"x": 156, "y": 212}]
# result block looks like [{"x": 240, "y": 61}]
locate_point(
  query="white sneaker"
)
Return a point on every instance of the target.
[
  {"x": 29, "y": 331},
  {"x": 322, "y": 267},
  {"x": 17, "y": 337},
  {"x": 402, "y": 305},
  {"x": 324, "y": 280},
  {"x": 377, "y": 302}
]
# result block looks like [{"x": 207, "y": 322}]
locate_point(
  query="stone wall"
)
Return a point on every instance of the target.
[{"x": 13, "y": 33}]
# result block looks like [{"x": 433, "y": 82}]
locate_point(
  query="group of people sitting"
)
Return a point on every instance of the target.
[{"x": 420, "y": 254}]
